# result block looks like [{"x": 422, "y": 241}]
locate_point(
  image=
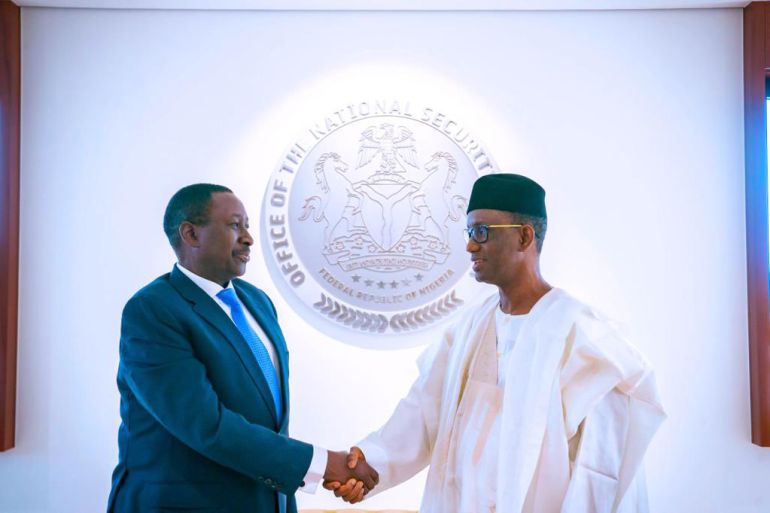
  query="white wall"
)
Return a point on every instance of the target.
[{"x": 631, "y": 120}]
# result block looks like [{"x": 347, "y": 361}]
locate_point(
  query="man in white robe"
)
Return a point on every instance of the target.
[{"x": 532, "y": 402}]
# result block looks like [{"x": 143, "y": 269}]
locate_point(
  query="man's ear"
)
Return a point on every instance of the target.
[
  {"x": 189, "y": 234},
  {"x": 527, "y": 237}
]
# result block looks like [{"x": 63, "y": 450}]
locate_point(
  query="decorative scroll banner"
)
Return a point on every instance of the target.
[{"x": 362, "y": 221}]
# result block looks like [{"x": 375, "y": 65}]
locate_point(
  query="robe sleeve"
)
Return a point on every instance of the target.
[
  {"x": 403, "y": 445},
  {"x": 611, "y": 411},
  {"x": 596, "y": 454}
]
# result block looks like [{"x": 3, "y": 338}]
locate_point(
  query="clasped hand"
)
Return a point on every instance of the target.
[{"x": 349, "y": 476}]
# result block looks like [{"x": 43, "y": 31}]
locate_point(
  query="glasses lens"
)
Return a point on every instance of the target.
[
  {"x": 478, "y": 233},
  {"x": 482, "y": 232}
]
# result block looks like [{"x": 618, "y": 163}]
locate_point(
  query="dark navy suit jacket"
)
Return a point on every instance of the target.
[{"x": 199, "y": 430}]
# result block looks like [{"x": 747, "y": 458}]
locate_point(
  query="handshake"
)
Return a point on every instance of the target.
[{"x": 349, "y": 476}]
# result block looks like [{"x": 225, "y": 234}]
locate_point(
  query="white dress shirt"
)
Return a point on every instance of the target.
[{"x": 318, "y": 463}]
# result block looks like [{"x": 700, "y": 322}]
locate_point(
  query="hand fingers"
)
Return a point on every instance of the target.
[
  {"x": 358, "y": 498},
  {"x": 368, "y": 475},
  {"x": 331, "y": 485},
  {"x": 354, "y": 456},
  {"x": 361, "y": 495},
  {"x": 346, "y": 489},
  {"x": 356, "y": 494},
  {"x": 368, "y": 480}
]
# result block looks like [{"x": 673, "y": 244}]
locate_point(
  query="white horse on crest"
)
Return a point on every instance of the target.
[{"x": 339, "y": 204}]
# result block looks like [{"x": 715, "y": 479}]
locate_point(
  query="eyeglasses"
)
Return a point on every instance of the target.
[{"x": 480, "y": 232}]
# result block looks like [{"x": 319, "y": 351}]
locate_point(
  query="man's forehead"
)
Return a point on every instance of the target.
[
  {"x": 227, "y": 202},
  {"x": 487, "y": 215}
]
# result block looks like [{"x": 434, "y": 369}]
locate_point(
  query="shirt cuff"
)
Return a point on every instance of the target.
[{"x": 316, "y": 470}]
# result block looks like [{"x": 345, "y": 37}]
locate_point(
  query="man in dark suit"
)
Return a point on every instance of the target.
[{"x": 204, "y": 377}]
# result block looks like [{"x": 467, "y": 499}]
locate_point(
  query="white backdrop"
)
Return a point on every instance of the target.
[{"x": 631, "y": 120}]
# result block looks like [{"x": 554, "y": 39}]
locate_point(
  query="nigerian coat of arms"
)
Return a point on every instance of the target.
[{"x": 362, "y": 221}]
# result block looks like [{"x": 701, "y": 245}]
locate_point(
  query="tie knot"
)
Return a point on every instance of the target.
[{"x": 228, "y": 296}]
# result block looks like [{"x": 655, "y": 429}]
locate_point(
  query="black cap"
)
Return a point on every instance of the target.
[{"x": 508, "y": 192}]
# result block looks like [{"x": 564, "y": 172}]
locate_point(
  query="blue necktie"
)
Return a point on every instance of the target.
[{"x": 259, "y": 350}]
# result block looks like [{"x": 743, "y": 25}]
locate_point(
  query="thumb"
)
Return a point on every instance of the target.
[{"x": 354, "y": 456}]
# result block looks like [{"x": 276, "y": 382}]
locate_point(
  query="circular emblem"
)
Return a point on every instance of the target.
[{"x": 362, "y": 221}]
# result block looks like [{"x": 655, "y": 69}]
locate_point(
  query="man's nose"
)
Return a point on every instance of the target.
[
  {"x": 246, "y": 238},
  {"x": 472, "y": 246}
]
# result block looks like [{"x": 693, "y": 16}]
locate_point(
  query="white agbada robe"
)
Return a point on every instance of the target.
[{"x": 561, "y": 426}]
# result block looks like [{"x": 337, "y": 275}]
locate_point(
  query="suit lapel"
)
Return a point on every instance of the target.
[
  {"x": 209, "y": 310},
  {"x": 264, "y": 316}
]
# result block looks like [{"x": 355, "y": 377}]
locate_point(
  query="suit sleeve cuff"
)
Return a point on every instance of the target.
[{"x": 316, "y": 470}]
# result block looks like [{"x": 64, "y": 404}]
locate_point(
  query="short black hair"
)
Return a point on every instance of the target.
[
  {"x": 540, "y": 225},
  {"x": 189, "y": 204}
]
